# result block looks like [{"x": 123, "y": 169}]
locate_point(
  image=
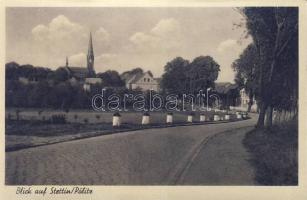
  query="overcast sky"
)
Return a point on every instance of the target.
[{"x": 124, "y": 38}]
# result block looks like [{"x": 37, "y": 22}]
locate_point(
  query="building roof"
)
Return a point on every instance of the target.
[
  {"x": 78, "y": 72},
  {"x": 225, "y": 87},
  {"x": 132, "y": 78},
  {"x": 93, "y": 80}
]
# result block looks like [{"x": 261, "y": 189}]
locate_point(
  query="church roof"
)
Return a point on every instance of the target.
[{"x": 78, "y": 72}]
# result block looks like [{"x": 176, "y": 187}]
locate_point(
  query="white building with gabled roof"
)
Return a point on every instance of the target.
[{"x": 143, "y": 81}]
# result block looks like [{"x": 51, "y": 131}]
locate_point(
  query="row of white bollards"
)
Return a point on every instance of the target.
[
  {"x": 169, "y": 118},
  {"x": 240, "y": 115}
]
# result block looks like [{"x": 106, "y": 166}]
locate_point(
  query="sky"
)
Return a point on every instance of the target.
[{"x": 124, "y": 38}]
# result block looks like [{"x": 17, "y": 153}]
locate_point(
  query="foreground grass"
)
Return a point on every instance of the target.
[{"x": 275, "y": 154}]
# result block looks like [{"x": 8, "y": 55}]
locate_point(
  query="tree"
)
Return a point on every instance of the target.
[
  {"x": 174, "y": 79},
  {"x": 11, "y": 71},
  {"x": 60, "y": 75},
  {"x": 61, "y": 96},
  {"x": 275, "y": 32},
  {"x": 111, "y": 78},
  {"x": 247, "y": 75},
  {"x": 202, "y": 73},
  {"x": 127, "y": 74},
  {"x": 37, "y": 96}
]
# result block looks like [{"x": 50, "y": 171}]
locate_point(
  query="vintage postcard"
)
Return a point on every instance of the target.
[{"x": 194, "y": 100}]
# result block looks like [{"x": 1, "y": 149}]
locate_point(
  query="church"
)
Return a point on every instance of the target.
[
  {"x": 84, "y": 75},
  {"x": 87, "y": 75}
]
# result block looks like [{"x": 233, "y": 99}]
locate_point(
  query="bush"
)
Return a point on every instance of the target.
[{"x": 58, "y": 119}]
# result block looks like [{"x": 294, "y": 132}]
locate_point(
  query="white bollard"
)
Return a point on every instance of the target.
[
  {"x": 227, "y": 117},
  {"x": 169, "y": 118},
  {"x": 116, "y": 119},
  {"x": 145, "y": 119},
  {"x": 190, "y": 118},
  {"x": 216, "y": 117},
  {"x": 202, "y": 118}
]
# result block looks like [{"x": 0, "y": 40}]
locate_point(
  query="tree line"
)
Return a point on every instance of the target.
[
  {"x": 268, "y": 68},
  {"x": 52, "y": 88}
]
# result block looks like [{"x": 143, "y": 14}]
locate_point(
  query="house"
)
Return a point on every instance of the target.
[
  {"x": 143, "y": 81},
  {"x": 231, "y": 96},
  {"x": 244, "y": 100},
  {"x": 88, "y": 82},
  {"x": 227, "y": 93},
  {"x": 92, "y": 81}
]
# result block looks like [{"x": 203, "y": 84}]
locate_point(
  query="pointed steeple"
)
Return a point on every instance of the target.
[
  {"x": 90, "y": 58},
  {"x": 90, "y": 46}
]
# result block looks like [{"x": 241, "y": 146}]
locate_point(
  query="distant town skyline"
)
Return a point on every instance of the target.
[{"x": 124, "y": 38}]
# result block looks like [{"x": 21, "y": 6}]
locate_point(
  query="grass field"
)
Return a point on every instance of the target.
[
  {"x": 275, "y": 154},
  {"x": 91, "y": 117}
]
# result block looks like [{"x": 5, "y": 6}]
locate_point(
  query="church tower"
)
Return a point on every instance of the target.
[{"x": 90, "y": 58}]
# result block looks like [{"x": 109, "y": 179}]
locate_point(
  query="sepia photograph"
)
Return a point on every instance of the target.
[{"x": 151, "y": 96}]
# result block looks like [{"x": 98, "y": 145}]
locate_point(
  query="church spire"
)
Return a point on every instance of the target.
[
  {"x": 90, "y": 58},
  {"x": 90, "y": 46}
]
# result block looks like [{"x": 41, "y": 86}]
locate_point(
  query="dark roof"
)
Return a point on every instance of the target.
[
  {"x": 224, "y": 87},
  {"x": 135, "y": 78},
  {"x": 78, "y": 72}
]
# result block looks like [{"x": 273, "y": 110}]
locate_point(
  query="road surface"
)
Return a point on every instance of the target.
[{"x": 194, "y": 155}]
